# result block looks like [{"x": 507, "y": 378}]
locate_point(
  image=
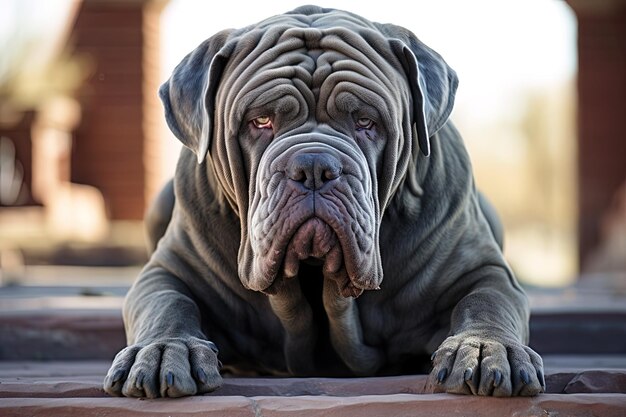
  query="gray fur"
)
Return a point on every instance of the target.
[{"x": 320, "y": 247}]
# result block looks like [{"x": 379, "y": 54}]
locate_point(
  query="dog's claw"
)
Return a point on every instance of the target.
[
  {"x": 117, "y": 376},
  {"x": 524, "y": 375},
  {"x": 169, "y": 379},
  {"x": 202, "y": 377},
  {"x": 441, "y": 376},
  {"x": 468, "y": 374},
  {"x": 541, "y": 379},
  {"x": 432, "y": 357},
  {"x": 139, "y": 381},
  {"x": 213, "y": 347},
  {"x": 497, "y": 378}
]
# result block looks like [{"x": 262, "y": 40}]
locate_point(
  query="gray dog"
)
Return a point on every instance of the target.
[{"x": 319, "y": 160}]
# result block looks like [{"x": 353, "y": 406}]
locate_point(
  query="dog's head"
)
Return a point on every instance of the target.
[{"x": 310, "y": 121}]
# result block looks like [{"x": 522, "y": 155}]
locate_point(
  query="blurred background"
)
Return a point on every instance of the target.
[{"x": 84, "y": 147}]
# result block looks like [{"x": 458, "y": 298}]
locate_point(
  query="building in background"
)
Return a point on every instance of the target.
[
  {"x": 601, "y": 129},
  {"x": 81, "y": 155},
  {"x": 83, "y": 148}
]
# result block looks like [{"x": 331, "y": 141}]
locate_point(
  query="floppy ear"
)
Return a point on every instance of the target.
[
  {"x": 433, "y": 84},
  {"x": 189, "y": 95}
]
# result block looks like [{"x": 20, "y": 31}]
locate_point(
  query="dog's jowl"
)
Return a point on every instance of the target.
[{"x": 322, "y": 220}]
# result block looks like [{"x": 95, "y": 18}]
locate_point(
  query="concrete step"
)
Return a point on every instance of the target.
[
  {"x": 69, "y": 326},
  {"x": 74, "y": 389},
  {"x": 397, "y": 405}
]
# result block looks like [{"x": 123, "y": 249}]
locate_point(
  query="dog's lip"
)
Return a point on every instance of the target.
[
  {"x": 311, "y": 243},
  {"x": 328, "y": 254},
  {"x": 286, "y": 265}
]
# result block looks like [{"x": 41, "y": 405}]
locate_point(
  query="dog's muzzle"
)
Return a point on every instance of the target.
[
  {"x": 314, "y": 204},
  {"x": 314, "y": 241}
]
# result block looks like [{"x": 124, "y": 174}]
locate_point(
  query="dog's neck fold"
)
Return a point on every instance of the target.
[{"x": 301, "y": 331}]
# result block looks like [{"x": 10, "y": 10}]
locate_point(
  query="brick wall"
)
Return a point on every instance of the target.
[
  {"x": 117, "y": 38},
  {"x": 601, "y": 112}
]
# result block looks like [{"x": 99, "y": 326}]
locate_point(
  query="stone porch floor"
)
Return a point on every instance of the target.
[
  {"x": 74, "y": 389},
  {"x": 59, "y": 332}
]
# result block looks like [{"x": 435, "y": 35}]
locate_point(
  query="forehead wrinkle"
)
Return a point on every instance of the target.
[
  {"x": 271, "y": 53},
  {"x": 314, "y": 47},
  {"x": 353, "y": 47},
  {"x": 275, "y": 76},
  {"x": 317, "y": 20},
  {"x": 349, "y": 64}
]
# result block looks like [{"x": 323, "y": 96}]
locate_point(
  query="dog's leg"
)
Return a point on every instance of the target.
[
  {"x": 158, "y": 216},
  {"x": 491, "y": 215},
  {"x": 346, "y": 334},
  {"x": 296, "y": 316},
  {"x": 167, "y": 353},
  {"x": 486, "y": 352}
]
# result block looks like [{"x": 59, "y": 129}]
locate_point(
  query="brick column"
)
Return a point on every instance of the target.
[
  {"x": 601, "y": 112},
  {"x": 115, "y": 147}
]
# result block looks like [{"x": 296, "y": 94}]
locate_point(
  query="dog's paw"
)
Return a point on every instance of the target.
[
  {"x": 471, "y": 364},
  {"x": 169, "y": 368}
]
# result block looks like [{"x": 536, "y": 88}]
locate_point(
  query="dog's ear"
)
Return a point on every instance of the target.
[
  {"x": 433, "y": 83},
  {"x": 189, "y": 95}
]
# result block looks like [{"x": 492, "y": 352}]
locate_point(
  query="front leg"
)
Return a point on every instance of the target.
[
  {"x": 486, "y": 352},
  {"x": 167, "y": 354}
]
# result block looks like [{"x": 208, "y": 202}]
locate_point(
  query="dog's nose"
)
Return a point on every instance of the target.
[{"x": 313, "y": 170}]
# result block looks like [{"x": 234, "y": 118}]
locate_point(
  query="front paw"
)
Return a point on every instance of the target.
[
  {"x": 172, "y": 367},
  {"x": 473, "y": 364}
]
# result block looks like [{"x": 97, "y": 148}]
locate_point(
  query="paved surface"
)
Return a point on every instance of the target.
[
  {"x": 60, "y": 328},
  {"x": 73, "y": 389}
]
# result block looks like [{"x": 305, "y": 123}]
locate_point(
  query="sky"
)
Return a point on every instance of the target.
[{"x": 21, "y": 20}]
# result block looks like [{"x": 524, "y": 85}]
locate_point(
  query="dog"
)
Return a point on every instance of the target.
[{"x": 322, "y": 221}]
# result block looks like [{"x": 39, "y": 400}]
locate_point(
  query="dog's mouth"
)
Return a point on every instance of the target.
[{"x": 316, "y": 243}]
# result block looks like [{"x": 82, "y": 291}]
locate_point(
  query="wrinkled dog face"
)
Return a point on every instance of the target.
[
  {"x": 319, "y": 110},
  {"x": 314, "y": 112}
]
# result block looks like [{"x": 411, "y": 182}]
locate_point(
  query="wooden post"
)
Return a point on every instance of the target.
[{"x": 601, "y": 113}]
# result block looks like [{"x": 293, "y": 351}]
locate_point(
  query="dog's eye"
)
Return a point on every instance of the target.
[
  {"x": 364, "y": 123},
  {"x": 262, "y": 122}
]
